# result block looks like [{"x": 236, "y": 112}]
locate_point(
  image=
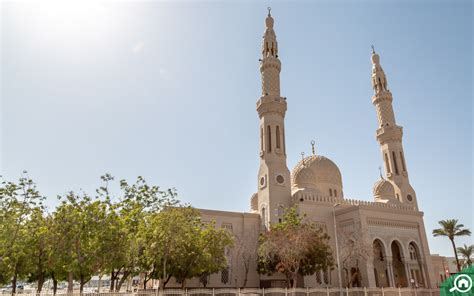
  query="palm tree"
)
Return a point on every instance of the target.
[
  {"x": 451, "y": 229},
  {"x": 467, "y": 252}
]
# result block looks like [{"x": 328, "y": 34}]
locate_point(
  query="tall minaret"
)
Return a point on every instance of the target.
[
  {"x": 389, "y": 135},
  {"x": 273, "y": 176}
]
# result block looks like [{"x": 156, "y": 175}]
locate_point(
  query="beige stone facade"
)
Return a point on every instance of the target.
[{"x": 381, "y": 243}]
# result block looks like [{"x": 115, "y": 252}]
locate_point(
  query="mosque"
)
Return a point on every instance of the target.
[{"x": 381, "y": 243}]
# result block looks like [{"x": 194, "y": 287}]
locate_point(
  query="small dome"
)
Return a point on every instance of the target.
[
  {"x": 304, "y": 175},
  {"x": 383, "y": 189},
  {"x": 314, "y": 170},
  {"x": 254, "y": 202}
]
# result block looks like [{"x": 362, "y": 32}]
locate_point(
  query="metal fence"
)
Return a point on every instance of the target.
[{"x": 259, "y": 292}]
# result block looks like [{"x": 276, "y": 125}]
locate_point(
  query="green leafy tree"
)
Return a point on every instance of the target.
[
  {"x": 467, "y": 252},
  {"x": 18, "y": 200},
  {"x": 137, "y": 201},
  {"x": 59, "y": 245},
  {"x": 112, "y": 244},
  {"x": 451, "y": 229},
  {"x": 293, "y": 247},
  {"x": 180, "y": 245},
  {"x": 81, "y": 228},
  {"x": 37, "y": 234}
]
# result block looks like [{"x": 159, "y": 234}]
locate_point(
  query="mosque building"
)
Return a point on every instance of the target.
[{"x": 382, "y": 243}]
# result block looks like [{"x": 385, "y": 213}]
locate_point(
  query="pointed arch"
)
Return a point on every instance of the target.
[
  {"x": 269, "y": 139},
  {"x": 278, "y": 137},
  {"x": 417, "y": 271},
  {"x": 380, "y": 263},
  {"x": 398, "y": 264},
  {"x": 395, "y": 163}
]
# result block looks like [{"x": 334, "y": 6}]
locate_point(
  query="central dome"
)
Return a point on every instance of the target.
[{"x": 318, "y": 172}]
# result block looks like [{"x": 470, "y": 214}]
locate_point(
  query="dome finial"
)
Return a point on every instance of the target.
[
  {"x": 373, "y": 49},
  {"x": 269, "y": 20},
  {"x": 380, "y": 172},
  {"x": 312, "y": 147},
  {"x": 302, "y": 157}
]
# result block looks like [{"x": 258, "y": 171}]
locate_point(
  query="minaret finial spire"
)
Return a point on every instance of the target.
[
  {"x": 269, "y": 11},
  {"x": 312, "y": 147},
  {"x": 270, "y": 65},
  {"x": 379, "y": 81}
]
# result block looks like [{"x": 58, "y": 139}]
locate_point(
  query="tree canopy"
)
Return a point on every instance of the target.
[
  {"x": 294, "y": 247},
  {"x": 142, "y": 229},
  {"x": 452, "y": 229}
]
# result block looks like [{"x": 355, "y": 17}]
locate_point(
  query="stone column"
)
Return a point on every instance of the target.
[
  {"x": 391, "y": 279},
  {"x": 406, "y": 265},
  {"x": 370, "y": 272},
  {"x": 423, "y": 274}
]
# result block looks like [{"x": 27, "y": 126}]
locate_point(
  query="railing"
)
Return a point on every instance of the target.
[{"x": 257, "y": 292}]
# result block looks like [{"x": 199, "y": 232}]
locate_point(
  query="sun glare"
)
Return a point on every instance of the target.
[{"x": 66, "y": 22}]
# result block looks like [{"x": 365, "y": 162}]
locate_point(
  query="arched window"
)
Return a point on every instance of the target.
[
  {"x": 281, "y": 211},
  {"x": 403, "y": 161},
  {"x": 261, "y": 139},
  {"x": 330, "y": 191},
  {"x": 387, "y": 165},
  {"x": 204, "y": 279},
  {"x": 395, "y": 162},
  {"x": 264, "y": 217},
  {"x": 283, "y": 138},
  {"x": 278, "y": 137},
  {"x": 412, "y": 252},
  {"x": 318, "y": 277},
  {"x": 326, "y": 277},
  {"x": 269, "y": 139},
  {"x": 225, "y": 276},
  {"x": 335, "y": 193}
]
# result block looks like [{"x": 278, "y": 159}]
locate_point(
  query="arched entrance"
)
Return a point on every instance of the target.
[
  {"x": 398, "y": 267},
  {"x": 380, "y": 264},
  {"x": 416, "y": 266}
]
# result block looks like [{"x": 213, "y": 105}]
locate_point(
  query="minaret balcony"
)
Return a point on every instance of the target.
[
  {"x": 382, "y": 96},
  {"x": 268, "y": 104},
  {"x": 389, "y": 133}
]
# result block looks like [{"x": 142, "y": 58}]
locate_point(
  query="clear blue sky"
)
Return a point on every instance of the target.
[{"x": 168, "y": 91}]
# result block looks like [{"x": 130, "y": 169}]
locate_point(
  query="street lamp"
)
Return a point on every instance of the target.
[{"x": 337, "y": 247}]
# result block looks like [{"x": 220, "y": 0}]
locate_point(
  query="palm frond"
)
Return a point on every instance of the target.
[{"x": 463, "y": 232}]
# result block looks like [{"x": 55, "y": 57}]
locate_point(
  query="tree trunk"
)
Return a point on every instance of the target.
[
  {"x": 456, "y": 255},
  {"x": 166, "y": 281},
  {"x": 125, "y": 275},
  {"x": 82, "y": 283},
  {"x": 246, "y": 276},
  {"x": 40, "y": 282},
  {"x": 70, "y": 285},
  {"x": 112, "y": 281},
  {"x": 14, "y": 283},
  {"x": 55, "y": 284},
  {"x": 145, "y": 280},
  {"x": 99, "y": 284}
]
